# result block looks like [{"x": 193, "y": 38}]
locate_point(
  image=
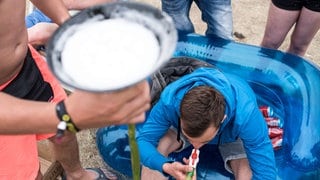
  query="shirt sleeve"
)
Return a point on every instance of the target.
[
  {"x": 254, "y": 134},
  {"x": 156, "y": 125}
]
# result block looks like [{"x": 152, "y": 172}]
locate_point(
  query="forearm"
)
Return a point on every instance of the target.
[
  {"x": 15, "y": 116},
  {"x": 258, "y": 146},
  {"x": 260, "y": 155},
  {"x": 262, "y": 162},
  {"x": 241, "y": 168},
  {"x": 40, "y": 33},
  {"x": 82, "y": 4},
  {"x": 150, "y": 157},
  {"x": 54, "y": 9},
  {"x": 149, "y": 138},
  {"x": 70, "y": 161}
]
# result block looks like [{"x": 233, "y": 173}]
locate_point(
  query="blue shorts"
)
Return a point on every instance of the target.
[
  {"x": 294, "y": 5},
  {"x": 36, "y": 16}
]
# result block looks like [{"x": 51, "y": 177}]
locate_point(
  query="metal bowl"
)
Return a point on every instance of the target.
[{"x": 153, "y": 19}]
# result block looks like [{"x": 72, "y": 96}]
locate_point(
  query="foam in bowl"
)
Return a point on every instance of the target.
[{"x": 109, "y": 54}]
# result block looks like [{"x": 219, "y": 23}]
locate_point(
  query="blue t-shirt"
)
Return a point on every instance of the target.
[{"x": 244, "y": 120}]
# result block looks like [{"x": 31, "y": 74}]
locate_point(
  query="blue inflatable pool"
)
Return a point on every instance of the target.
[{"x": 289, "y": 84}]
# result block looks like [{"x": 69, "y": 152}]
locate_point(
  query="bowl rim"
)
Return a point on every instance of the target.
[{"x": 54, "y": 50}]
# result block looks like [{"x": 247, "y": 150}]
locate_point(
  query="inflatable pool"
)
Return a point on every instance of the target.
[{"x": 289, "y": 84}]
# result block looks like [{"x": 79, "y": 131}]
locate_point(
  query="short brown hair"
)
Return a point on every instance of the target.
[{"x": 201, "y": 107}]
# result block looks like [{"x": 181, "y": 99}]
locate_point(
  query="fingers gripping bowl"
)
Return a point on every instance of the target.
[{"x": 111, "y": 46}]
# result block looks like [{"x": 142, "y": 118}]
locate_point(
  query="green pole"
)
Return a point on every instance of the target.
[{"x": 135, "y": 159}]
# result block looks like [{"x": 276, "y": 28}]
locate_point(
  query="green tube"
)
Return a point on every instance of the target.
[
  {"x": 135, "y": 159},
  {"x": 190, "y": 175}
]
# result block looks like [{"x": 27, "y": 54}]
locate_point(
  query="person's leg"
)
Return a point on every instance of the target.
[
  {"x": 218, "y": 16},
  {"x": 241, "y": 169},
  {"x": 169, "y": 143},
  {"x": 279, "y": 23},
  {"x": 306, "y": 27},
  {"x": 39, "y": 176},
  {"x": 67, "y": 153},
  {"x": 178, "y": 10},
  {"x": 149, "y": 174},
  {"x": 235, "y": 160}
]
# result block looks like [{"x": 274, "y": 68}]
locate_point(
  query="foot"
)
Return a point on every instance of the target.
[
  {"x": 94, "y": 174},
  {"x": 104, "y": 174}
]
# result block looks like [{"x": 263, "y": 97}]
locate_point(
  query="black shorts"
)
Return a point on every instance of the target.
[{"x": 293, "y": 5}]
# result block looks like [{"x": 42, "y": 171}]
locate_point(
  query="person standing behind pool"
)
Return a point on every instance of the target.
[
  {"x": 302, "y": 15},
  {"x": 217, "y": 14},
  {"x": 205, "y": 108}
]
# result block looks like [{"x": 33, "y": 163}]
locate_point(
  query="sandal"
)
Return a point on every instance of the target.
[{"x": 102, "y": 175}]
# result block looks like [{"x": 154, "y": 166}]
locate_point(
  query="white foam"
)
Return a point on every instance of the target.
[{"x": 110, "y": 54}]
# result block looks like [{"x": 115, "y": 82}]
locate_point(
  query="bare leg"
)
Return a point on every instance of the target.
[
  {"x": 306, "y": 27},
  {"x": 39, "y": 176},
  {"x": 279, "y": 23},
  {"x": 67, "y": 153},
  {"x": 149, "y": 174},
  {"x": 241, "y": 169},
  {"x": 167, "y": 144}
]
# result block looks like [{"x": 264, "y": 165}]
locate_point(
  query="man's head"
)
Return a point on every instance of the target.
[{"x": 202, "y": 111}]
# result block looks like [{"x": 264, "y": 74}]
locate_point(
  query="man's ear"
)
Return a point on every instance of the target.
[{"x": 224, "y": 117}]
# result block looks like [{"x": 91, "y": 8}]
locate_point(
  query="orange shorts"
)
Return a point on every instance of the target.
[{"x": 18, "y": 153}]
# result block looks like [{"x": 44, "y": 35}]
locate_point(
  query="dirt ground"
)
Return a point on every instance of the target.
[{"x": 249, "y": 19}]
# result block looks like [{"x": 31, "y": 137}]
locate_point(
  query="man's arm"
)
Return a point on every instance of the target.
[
  {"x": 40, "y": 33},
  {"x": 22, "y": 116},
  {"x": 88, "y": 110},
  {"x": 153, "y": 130},
  {"x": 36, "y": 16},
  {"x": 254, "y": 134},
  {"x": 54, "y": 9},
  {"x": 82, "y": 4}
]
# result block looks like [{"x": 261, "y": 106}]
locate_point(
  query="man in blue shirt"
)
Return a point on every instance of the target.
[{"x": 206, "y": 108}]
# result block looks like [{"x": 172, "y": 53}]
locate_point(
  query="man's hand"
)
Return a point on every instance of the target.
[
  {"x": 186, "y": 161},
  {"x": 177, "y": 170},
  {"x": 40, "y": 33},
  {"x": 126, "y": 106}
]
